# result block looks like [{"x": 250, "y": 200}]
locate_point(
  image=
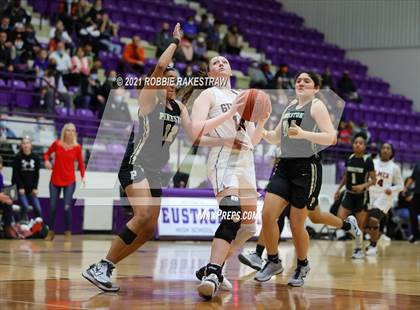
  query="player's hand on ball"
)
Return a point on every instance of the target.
[
  {"x": 236, "y": 144},
  {"x": 177, "y": 34},
  {"x": 237, "y": 103},
  {"x": 295, "y": 132},
  {"x": 388, "y": 191},
  {"x": 358, "y": 188}
]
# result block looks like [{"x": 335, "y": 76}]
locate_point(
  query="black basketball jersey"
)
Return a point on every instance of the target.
[
  {"x": 357, "y": 170},
  {"x": 297, "y": 148},
  {"x": 149, "y": 147}
]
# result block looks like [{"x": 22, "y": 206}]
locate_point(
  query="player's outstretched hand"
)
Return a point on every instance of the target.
[{"x": 177, "y": 34}]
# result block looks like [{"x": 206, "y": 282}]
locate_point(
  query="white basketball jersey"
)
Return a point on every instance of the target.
[
  {"x": 388, "y": 174},
  {"x": 231, "y": 128}
]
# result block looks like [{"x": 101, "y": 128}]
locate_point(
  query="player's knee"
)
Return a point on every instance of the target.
[
  {"x": 148, "y": 232},
  {"x": 245, "y": 232},
  {"x": 231, "y": 219},
  {"x": 127, "y": 235},
  {"x": 314, "y": 219}
]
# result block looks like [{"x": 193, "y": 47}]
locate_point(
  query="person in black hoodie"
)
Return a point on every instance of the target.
[{"x": 26, "y": 176}]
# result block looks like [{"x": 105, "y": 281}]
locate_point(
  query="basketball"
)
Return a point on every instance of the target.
[{"x": 257, "y": 105}]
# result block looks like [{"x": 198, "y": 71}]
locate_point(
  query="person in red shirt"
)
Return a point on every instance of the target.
[
  {"x": 66, "y": 150},
  {"x": 133, "y": 56}
]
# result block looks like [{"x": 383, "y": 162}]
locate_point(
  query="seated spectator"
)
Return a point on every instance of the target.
[
  {"x": 188, "y": 71},
  {"x": 90, "y": 34},
  {"x": 265, "y": 68},
  {"x": 327, "y": 80},
  {"x": 20, "y": 55},
  {"x": 31, "y": 42},
  {"x": 190, "y": 28},
  {"x": 6, "y": 205},
  {"x": 282, "y": 78},
  {"x": 57, "y": 34},
  {"x": 346, "y": 88},
  {"x": 185, "y": 52},
  {"x": 200, "y": 48},
  {"x": 67, "y": 12},
  {"x": 214, "y": 41},
  {"x": 108, "y": 30},
  {"x": 53, "y": 90},
  {"x": 79, "y": 67},
  {"x": 117, "y": 106},
  {"x": 17, "y": 14},
  {"x": 204, "y": 26},
  {"x": 344, "y": 133},
  {"x": 96, "y": 11},
  {"x": 5, "y": 53},
  {"x": 5, "y": 26},
  {"x": 258, "y": 79},
  {"x": 26, "y": 175},
  {"x": 89, "y": 54},
  {"x": 162, "y": 39},
  {"x": 108, "y": 85},
  {"x": 232, "y": 41},
  {"x": 90, "y": 89},
  {"x": 40, "y": 65},
  {"x": 83, "y": 9},
  {"x": 62, "y": 59},
  {"x": 133, "y": 56}
]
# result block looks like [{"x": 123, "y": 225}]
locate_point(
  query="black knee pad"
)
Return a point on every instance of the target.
[
  {"x": 127, "y": 235},
  {"x": 231, "y": 218}
]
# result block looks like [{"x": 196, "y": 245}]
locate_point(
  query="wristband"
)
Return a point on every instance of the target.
[{"x": 176, "y": 41}]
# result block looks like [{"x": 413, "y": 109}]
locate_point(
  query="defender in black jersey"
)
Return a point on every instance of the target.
[
  {"x": 305, "y": 124},
  {"x": 160, "y": 117},
  {"x": 359, "y": 176}
]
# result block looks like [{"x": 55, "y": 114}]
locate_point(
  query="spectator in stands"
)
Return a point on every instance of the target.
[
  {"x": 344, "y": 132},
  {"x": 90, "y": 34},
  {"x": 200, "y": 48},
  {"x": 404, "y": 201},
  {"x": 258, "y": 79},
  {"x": 90, "y": 91},
  {"x": 79, "y": 67},
  {"x": 204, "y": 26},
  {"x": 5, "y": 53},
  {"x": 162, "y": 39},
  {"x": 26, "y": 175},
  {"x": 415, "y": 202},
  {"x": 107, "y": 86},
  {"x": 232, "y": 41},
  {"x": 57, "y": 34},
  {"x": 133, "y": 56},
  {"x": 265, "y": 68},
  {"x": 6, "y": 27},
  {"x": 90, "y": 55},
  {"x": 67, "y": 151},
  {"x": 214, "y": 38},
  {"x": 327, "y": 80},
  {"x": 62, "y": 59},
  {"x": 96, "y": 11},
  {"x": 6, "y": 205},
  {"x": 282, "y": 78},
  {"x": 20, "y": 55},
  {"x": 108, "y": 30},
  {"x": 190, "y": 28},
  {"x": 31, "y": 42},
  {"x": 17, "y": 14},
  {"x": 40, "y": 65},
  {"x": 186, "y": 51},
  {"x": 83, "y": 9},
  {"x": 346, "y": 88},
  {"x": 188, "y": 71},
  {"x": 118, "y": 108}
]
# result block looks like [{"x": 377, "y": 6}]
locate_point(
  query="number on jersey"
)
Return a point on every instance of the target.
[{"x": 170, "y": 132}]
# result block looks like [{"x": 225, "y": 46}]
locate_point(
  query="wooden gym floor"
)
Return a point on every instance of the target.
[{"x": 35, "y": 274}]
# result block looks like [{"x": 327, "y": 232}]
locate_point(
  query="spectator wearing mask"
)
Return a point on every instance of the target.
[
  {"x": 346, "y": 88},
  {"x": 66, "y": 151},
  {"x": 96, "y": 11},
  {"x": 265, "y": 68},
  {"x": 31, "y": 42},
  {"x": 5, "y": 53},
  {"x": 190, "y": 28},
  {"x": 200, "y": 48},
  {"x": 26, "y": 176},
  {"x": 232, "y": 41},
  {"x": 118, "y": 108},
  {"x": 62, "y": 59},
  {"x": 40, "y": 65},
  {"x": 80, "y": 67},
  {"x": 204, "y": 26},
  {"x": 162, "y": 39},
  {"x": 6, "y": 205},
  {"x": 133, "y": 56},
  {"x": 282, "y": 78},
  {"x": 20, "y": 55}
]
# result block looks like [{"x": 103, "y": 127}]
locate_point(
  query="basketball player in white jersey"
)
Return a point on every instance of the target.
[
  {"x": 389, "y": 183},
  {"x": 232, "y": 173}
]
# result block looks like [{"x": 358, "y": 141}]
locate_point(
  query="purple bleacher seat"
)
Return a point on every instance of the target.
[{"x": 85, "y": 113}]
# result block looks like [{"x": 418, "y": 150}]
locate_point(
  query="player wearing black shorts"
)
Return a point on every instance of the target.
[
  {"x": 359, "y": 176},
  {"x": 160, "y": 117},
  {"x": 305, "y": 124}
]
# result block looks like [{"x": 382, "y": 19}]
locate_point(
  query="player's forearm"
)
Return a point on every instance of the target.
[
  {"x": 202, "y": 128},
  {"x": 321, "y": 138},
  {"x": 207, "y": 141},
  {"x": 396, "y": 188}
]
